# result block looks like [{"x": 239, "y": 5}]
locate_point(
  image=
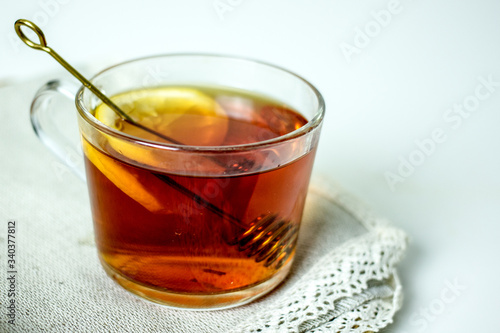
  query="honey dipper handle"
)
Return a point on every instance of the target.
[{"x": 42, "y": 46}]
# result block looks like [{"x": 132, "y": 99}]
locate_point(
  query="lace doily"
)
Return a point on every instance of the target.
[{"x": 352, "y": 288}]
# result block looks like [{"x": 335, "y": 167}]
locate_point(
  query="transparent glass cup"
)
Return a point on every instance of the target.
[{"x": 195, "y": 227}]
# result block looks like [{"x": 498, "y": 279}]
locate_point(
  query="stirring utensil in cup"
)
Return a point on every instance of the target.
[
  {"x": 42, "y": 46},
  {"x": 267, "y": 238}
]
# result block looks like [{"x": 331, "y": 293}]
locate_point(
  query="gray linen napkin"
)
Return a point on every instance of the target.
[{"x": 343, "y": 278}]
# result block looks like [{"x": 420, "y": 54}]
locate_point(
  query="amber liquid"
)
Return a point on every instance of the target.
[{"x": 184, "y": 247}]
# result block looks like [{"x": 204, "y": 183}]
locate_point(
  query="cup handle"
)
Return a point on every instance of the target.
[{"x": 54, "y": 126}]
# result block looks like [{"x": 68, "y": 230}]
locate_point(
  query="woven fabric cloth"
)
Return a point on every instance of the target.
[{"x": 343, "y": 279}]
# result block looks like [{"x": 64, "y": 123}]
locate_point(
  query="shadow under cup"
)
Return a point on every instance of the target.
[{"x": 198, "y": 227}]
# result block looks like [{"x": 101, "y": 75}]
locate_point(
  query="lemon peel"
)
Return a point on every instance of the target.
[
  {"x": 176, "y": 112},
  {"x": 125, "y": 180}
]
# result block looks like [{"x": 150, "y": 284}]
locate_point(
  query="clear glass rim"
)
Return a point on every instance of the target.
[{"x": 308, "y": 127}]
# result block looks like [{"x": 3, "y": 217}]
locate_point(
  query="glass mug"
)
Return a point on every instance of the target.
[{"x": 193, "y": 226}]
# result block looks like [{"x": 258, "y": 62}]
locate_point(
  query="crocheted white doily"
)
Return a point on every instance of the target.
[{"x": 352, "y": 288}]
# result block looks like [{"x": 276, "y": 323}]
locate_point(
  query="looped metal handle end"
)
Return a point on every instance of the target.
[{"x": 33, "y": 27}]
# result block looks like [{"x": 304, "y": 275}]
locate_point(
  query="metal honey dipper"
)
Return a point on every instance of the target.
[{"x": 267, "y": 237}]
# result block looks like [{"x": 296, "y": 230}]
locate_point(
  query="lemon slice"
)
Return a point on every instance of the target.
[
  {"x": 142, "y": 188},
  {"x": 176, "y": 112}
]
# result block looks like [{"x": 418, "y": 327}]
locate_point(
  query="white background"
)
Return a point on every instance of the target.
[{"x": 393, "y": 91}]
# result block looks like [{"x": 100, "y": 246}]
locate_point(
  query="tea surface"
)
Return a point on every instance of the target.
[{"x": 202, "y": 116}]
